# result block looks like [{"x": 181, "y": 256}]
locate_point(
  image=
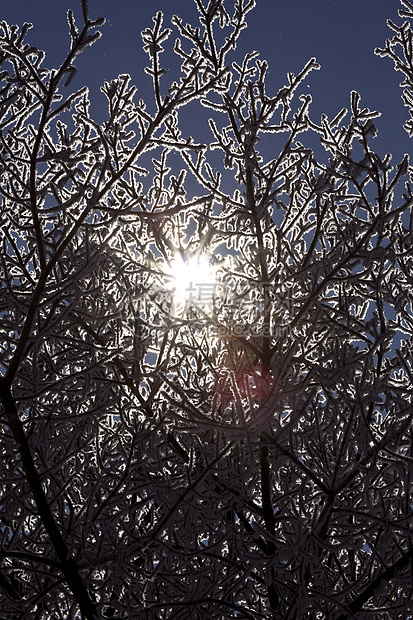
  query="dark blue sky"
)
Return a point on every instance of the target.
[{"x": 341, "y": 35}]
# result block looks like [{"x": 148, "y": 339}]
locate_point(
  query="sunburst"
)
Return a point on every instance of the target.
[{"x": 191, "y": 279}]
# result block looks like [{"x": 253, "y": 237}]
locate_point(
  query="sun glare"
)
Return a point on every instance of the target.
[{"x": 191, "y": 279}]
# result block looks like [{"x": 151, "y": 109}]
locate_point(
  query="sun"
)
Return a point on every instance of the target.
[{"x": 191, "y": 280}]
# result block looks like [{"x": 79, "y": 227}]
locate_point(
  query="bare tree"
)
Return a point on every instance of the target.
[{"x": 242, "y": 450}]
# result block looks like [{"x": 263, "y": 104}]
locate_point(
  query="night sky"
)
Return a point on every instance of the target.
[{"x": 341, "y": 35}]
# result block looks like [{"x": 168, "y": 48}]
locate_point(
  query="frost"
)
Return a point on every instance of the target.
[{"x": 235, "y": 448}]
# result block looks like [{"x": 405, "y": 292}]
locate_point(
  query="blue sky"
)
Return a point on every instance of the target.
[{"x": 341, "y": 35}]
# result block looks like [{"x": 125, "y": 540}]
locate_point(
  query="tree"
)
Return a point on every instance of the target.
[{"x": 246, "y": 453}]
